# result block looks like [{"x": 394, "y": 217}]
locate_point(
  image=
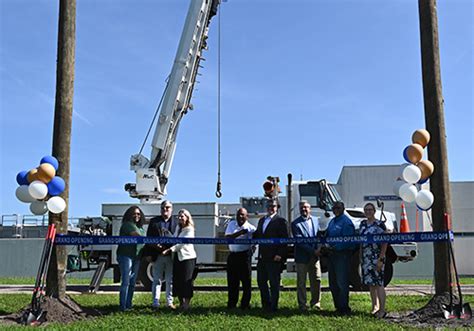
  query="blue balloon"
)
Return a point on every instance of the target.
[
  {"x": 22, "y": 178},
  {"x": 422, "y": 181},
  {"x": 56, "y": 186},
  {"x": 422, "y": 208},
  {"x": 405, "y": 156},
  {"x": 51, "y": 160}
]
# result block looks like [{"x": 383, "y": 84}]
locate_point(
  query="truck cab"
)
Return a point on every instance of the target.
[{"x": 322, "y": 196}]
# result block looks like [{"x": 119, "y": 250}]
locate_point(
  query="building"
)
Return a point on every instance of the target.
[{"x": 358, "y": 185}]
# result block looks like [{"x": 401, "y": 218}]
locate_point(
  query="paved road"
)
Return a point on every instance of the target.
[{"x": 111, "y": 289}]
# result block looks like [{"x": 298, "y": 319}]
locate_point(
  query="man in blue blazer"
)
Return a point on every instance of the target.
[{"x": 307, "y": 258}]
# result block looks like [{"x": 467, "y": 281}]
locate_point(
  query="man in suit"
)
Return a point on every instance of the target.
[
  {"x": 271, "y": 258},
  {"x": 307, "y": 257},
  {"x": 162, "y": 226}
]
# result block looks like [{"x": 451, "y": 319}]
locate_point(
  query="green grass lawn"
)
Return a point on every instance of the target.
[
  {"x": 201, "y": 281},
  {"x": 209, "y": 312}
]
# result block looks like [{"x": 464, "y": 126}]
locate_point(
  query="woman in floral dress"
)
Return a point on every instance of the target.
[{"x": 373, "y": 260}]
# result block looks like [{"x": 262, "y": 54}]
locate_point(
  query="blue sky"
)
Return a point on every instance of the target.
[{"x": 307, "y": 87}]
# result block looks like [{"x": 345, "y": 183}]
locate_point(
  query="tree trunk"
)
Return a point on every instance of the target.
[
  {"x": 56, "y": 281},
  {"x": 434, "y": 120}
]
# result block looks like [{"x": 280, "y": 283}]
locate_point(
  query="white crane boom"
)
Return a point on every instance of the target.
[{"x": 152, "y": 174}]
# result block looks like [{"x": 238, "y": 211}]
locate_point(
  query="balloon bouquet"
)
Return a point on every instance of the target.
[
  {"x": 417, "y": 171},
  {"x": 41, "y": 187}
]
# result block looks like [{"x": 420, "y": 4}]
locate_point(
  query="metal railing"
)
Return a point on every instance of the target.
[{"x": 14, "y": 225}]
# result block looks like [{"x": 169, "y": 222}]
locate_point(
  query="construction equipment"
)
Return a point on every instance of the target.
[
  {"x": 35, "y": 315},
  {"x": 152, "y": 173}
]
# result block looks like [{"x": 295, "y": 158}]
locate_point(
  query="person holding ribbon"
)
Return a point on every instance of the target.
[
  {"x": 239, "y": 261},
  {"x": 271, "y": 258},
  {"x": 372, "y": 261},
  {"x": 340, "y": 255},
  {"x": 128, "y": 256},
  {"x": 161, "y": 226},
  {"x": 307, "y": 257},
  {"x": 184, "y": 261}
]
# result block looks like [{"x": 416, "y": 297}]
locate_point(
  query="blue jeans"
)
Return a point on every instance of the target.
[
  {"x": 128, "y": 272},
  {"x": 339, "y": 265},
  {"x": 163, "y": 264}
]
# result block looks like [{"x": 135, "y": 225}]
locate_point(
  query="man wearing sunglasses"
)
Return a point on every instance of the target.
[
  {"x": 162, "y": 226},
  {"x": 340, "y": 258}
]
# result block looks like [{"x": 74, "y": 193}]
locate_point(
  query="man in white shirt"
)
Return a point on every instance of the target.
[{"x": 239, "y": 267}]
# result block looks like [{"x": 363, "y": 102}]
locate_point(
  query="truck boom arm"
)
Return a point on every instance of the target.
[{"x": 152, "y": 174}]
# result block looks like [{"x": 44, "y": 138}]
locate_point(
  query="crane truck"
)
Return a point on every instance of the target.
[{"x": 152, "y": 173}]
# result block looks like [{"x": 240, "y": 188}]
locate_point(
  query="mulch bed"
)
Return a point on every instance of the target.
[
  {"x": 61, "y": 311},
  {"x": 430, "y": 316}
]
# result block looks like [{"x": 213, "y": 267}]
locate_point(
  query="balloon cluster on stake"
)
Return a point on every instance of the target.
[
  {"x": 41, "y": 187},
  {"x": 417, "y": 171}
]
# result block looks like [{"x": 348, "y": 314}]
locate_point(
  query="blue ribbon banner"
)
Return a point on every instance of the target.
[{"x": 391, "y": 238}]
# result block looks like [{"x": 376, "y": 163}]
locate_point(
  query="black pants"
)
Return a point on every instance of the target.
[
  {"x": 239, "y": 269},
  {"x": 269, "y": 272},
  {"x": 183, "y": 277}
]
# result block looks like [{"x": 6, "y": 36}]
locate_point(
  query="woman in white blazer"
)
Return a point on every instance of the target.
[{"x": 184, "y": 260}]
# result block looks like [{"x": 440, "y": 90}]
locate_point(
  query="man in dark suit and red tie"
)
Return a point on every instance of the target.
[{"x": 271, "y": 258}]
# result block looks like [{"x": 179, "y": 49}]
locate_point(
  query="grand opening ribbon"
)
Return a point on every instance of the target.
[{"x": 391, "y": 238}]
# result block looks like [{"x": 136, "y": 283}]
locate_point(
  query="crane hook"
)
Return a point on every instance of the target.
[{"x": 218, "y": 190}]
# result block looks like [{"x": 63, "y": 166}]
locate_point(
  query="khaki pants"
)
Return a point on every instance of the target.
[{"x": 313, "y": 270}]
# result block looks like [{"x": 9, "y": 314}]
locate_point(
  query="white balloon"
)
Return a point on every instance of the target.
[
  {"x": 408, "y": 192},
  {"x": 424, "y": 199},
  {"x": 56, "y": 205},
  {"x": 38, "y": 189},
  {"x": 23, "y": 195},
  {"x": 402, "y": 167},
  {"x": 396, "y": 186},
  {"x": 38, "y": 207},
  {"x": 411, "y": 174}
]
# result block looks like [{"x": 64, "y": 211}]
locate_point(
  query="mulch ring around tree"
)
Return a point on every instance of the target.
[
  {"x": 55, "y": 310},
  {"x": 430, "y": 316}
]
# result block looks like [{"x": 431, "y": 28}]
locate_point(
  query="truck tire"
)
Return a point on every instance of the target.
[
  {"x": 355, "y": 279},
  {"x": 388, "y": 273},
  {"x": 145, "y": 275},
  {"x": 116, "y": 270}
]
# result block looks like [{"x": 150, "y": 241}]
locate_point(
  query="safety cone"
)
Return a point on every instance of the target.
[{"x": 404, "y": 225}]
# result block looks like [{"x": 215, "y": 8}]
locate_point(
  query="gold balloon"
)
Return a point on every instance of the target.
[
  {"x": 46, "y": 172},
  {"x": 421, "y": 137},
  {"x": 426, "y": 167},
  {"x": 32, "y": 175},
  {"x": 414, "y": 153}
]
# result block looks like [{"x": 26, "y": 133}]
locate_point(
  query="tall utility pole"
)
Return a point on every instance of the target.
[
  {"x": 434, "y": 120},
  {"x": 56, "y": 282}
]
